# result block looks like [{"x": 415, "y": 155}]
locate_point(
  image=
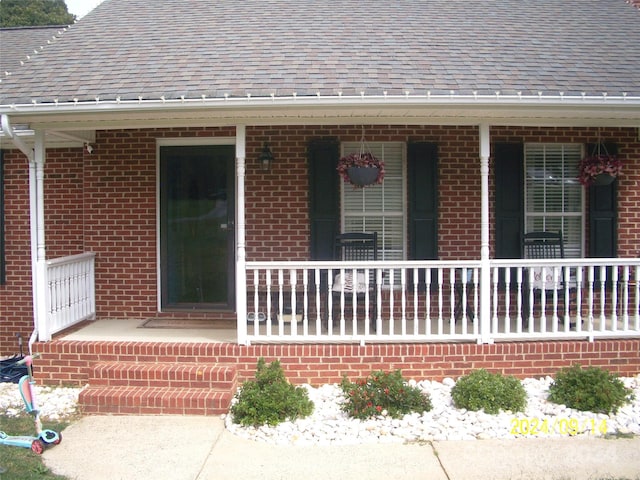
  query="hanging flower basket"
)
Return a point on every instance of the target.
[
  {"x": 363, "y": 176},
  {"x": 361, "y": 169},
  {"x": 599, "y": 169}
]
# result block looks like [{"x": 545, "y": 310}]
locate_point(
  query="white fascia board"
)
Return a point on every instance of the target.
[{"x": 585, "y": 110}]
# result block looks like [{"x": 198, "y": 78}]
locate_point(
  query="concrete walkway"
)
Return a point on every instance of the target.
[{"x": 199, "y": 448}]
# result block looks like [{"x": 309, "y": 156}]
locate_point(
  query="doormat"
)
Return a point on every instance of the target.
[{"x": 179, "y": 323}]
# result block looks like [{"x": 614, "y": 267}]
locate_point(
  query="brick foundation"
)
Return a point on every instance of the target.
[{"x": 70, "y": 362}]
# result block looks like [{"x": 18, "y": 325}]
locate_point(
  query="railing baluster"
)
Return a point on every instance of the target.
[
  {"x": 427, "y": 279},
  {"x": 494, "y": 316},
  {"x": 556, "y": 282},
  {"x": 476, "y": 304},
  {"x": 305, "y": 302},
  {"x": 566, "y": 277},
  {"x": 507, "y": 300},
  {"x": 465, "y": 298},
  {"x": 591, "y": 286},
  {"x": 269, "y": 305},
  {"x": 317, "y": 277},
  {"x": 531, "y": 322},
  {"x": 625, "y": 297},
  {"x": 403, "y": 302},
  {"x": 293, "y": 319},
  {"x": 330, "y": 302},
  {"x": 416, "y": 319},
  {"x": 603, "y": 318},
  {"x": 452, "y": 299},
  {"x": 354, "y": 302},
  {"x": 367, "y": 319},
  {"x": 392, "y": 327},
  {"x": 579, "y": 271},
  {"x": 378, "y": 286},
  {"x": 614, "y": 299},
  {"x": 440, "y": 295},
  {"x": 519, "y": 301},
  {"x": 256, "y": 300}
]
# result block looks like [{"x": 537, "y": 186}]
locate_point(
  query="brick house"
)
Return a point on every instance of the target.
[{"x": 136, "y": 187}]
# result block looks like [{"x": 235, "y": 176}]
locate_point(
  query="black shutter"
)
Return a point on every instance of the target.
[
  {"x": 509, "y": 199},
  {"x": 324, "y": 195},
  {"x": 422, "y": 181},
  {"x": 603, "y": 215}
]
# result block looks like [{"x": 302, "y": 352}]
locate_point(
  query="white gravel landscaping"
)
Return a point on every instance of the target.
[
  {"x": 55, "y": 403},
  {"x": 329, "y": 425}
]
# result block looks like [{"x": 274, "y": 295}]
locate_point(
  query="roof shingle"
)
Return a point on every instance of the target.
[{"x": 173, "y": 48}]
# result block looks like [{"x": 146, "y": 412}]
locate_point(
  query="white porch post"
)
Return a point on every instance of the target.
[
  {"x": 40, "y": 282},
  {"x": 485, "y": 269},
  {"x": 241, "y": 274}
]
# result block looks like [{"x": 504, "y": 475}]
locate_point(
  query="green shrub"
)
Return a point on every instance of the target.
[
  {"x": 382, "y": 393},
  {"x": 270, "y": 399},
  {"x": 591, "y": 389},
  {"x": 488, "y": 391}
]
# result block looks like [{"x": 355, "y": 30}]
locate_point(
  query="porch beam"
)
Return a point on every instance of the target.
[
  {"x": 485, "y": 266},
  {"x": 241, "y": 273}
]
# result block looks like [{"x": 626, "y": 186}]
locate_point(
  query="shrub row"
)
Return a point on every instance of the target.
[{"x": 271, "y": 399}]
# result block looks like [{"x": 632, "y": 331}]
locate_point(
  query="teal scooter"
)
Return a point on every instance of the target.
[{"x": 43, "y": 438}]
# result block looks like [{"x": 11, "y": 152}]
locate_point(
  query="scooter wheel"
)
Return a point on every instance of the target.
[
  {"x": 58, "y": 440},
  {"x": 49, "y": 437},
  {"x": 37, "y": 446}
]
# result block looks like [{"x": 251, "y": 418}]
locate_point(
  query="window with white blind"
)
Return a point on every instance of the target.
[
  {"x": 553, "y": 195},
  {"x": 379, "y": 208}
]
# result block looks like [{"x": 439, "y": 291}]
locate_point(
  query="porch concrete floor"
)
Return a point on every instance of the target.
[{"x": 128, "y": 330}]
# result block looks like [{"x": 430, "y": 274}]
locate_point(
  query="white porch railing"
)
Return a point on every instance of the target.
[
  {"x": 440, "y": 301},
  {"x": 70, "y": 293}
]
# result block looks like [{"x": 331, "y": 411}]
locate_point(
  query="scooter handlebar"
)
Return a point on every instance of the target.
[{"x": 28, "y": 360}]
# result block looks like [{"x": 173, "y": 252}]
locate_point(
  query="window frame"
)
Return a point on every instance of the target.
[
  {"x": 347, "y": 147},
  {"x": 528, "y": 214}
]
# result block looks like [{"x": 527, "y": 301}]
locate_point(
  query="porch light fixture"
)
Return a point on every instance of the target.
[{"x": 266, "y": 158}]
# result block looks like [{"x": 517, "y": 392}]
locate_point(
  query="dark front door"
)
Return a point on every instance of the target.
[{"x": 197, "y": 227}]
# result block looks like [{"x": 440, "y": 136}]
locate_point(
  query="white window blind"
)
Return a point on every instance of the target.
[
  {"x": 553, "y": 194},
  {"x": 379, "y": 208}
]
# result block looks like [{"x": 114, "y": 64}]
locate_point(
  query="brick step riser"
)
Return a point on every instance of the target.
[
  {"x": 153, "y": 401},
  {"x": 164, "y": 375}
]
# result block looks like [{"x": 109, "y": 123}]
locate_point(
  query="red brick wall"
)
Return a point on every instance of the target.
[
  {"x": 16, "y": 307},
  {"x": 105, "y": 202},
  {"x": 69, "y": 362}
]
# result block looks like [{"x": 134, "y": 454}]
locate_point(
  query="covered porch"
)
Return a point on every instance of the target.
[{"x": 467, "y": 296}]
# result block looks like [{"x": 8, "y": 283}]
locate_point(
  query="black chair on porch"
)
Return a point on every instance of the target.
[
  {"x": 541, "y": 245},
  {"x": 355, "y": 246}
]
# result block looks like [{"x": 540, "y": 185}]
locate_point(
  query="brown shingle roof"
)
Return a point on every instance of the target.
[
  {"x": 16, "y": 44},
  {"x": 174, "y": 48}
]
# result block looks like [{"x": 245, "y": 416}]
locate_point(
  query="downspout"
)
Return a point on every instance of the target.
[
  {"x": 485, "y": 265},
  {"x": 241, "y": 258},
  {"x": 17, "y": 141}
]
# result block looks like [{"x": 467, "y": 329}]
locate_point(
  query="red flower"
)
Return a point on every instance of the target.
[{"x": 594, "y": 165}]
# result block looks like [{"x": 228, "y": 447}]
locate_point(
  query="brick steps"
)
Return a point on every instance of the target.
[{"x": 128, "y": 388}]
